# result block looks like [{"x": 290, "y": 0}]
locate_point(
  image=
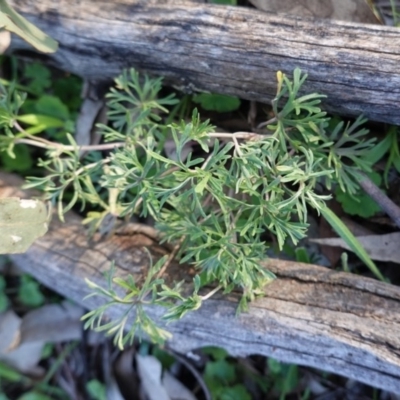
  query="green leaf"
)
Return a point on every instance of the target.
[
  {"x": 236, "y": 392},
  {"x": 21, "y": 223},
  {"x": 363, "y": 206},
  {"x": 29, "y": 292},
  {"x": 10, "y": 374},
  {"x": 217, "y": 353},
  {"x": 379, "y": 150},
  {"x": 96, "y": 390},
  {"x": 221, "y": 370},
  {"x": 52, "y": 106},
  {"x": 44, "y": 120},
  {"x": 217, "y": 102},
  {"x": 34, "y": 396},
  {"x": 341, "y": 229},
  {"x": 39, "y": 76},
  {"x": 22, "y": 162},
  {"x": 14, "y": 22},
  {"x": 3, "y": 302},
  {"x": 302, "y": 255}
]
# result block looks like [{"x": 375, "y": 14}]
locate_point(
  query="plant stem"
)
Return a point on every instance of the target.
[
  {"x": 171, "y": 257},
  {"x": 237, "y": 135},
  {"x": 387, "y": 205},
  {"x": 208, "y": 295},
  {"x": 51, "y": 145}
]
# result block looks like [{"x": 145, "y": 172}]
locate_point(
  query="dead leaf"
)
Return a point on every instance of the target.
[
  {"x": 150, "y": 370},
  {"x": 175, "y": 389},
  {"x": 378, "y": 247},
  {"x": 125, "y": 374},
  {"x": 16, "y": 23},
  {"x": 52, "y": 323},
  {"x": 23, "y": 357},
  {"x": 21, "y": 223},
  {"x": 343, "y": 10},
  {"x": 22, "y": 340},
  {"x": 5, "y": 40}
]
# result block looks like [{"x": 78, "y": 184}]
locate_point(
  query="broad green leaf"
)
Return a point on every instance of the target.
[
  {"x": 39, "y": 77},
  {"x": 21, "y": 162},
  {"x": 34, "y": 396},
  {"x": 216, "y": 352},
  {"x": 341, "y": 229},
  {"x": 13, "y": 22},
  {"x": 96, "y": 390},
  {"x": 217, "y": 102},
  {"x": 29, "y": 292},
  {"x": 363, "y": 206},
  {"x": 10, "y": 374},
  {"x": 302, "y": 255},
  {"x": 52, "y": 106},
  {"x": 3, "y": 302},
  {"x": 236, "y": 392},
  {"x": 379, "y": 150},
  {"x": 221, "y": 370},
  {"x": 21, "y": 223},
  {"x": 35, "y": 119}
]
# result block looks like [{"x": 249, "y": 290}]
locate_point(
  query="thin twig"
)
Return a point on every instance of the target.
[
  {"x": 46, "y": 144},
  {"x": 269, "y": 122},
  {"x": 51, "y": 145},
  {"x": 387, "y": 205},
  {"x": 208, "y": 295},
  {"x": 171, "y": 257},
  {"x": 237, "y": 135}
]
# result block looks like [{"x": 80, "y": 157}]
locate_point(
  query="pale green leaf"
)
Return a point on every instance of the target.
[
  {"x": 37, "y": 119},
  {"x": 13, "y": 22},
  {"x": 21, "y": 223},
  {"x": 341, "y": 229}
]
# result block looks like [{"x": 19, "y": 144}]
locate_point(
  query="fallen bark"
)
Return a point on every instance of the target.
[
  {"x": 230, "y": 50},
  {"x": 310, "y": 315}
]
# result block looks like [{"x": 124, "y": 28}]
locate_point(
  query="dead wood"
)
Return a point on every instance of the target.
[
  {"x": 310, "y": 315},
  {"x": 229, "y": 50}
]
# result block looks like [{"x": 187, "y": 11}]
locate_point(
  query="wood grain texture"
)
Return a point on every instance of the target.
[
  {"x": 228, "y": 50},
  {"x": 310, "y": 315}
]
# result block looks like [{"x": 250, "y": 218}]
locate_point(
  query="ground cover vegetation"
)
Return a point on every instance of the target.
[{"x": 213, "y": 208}]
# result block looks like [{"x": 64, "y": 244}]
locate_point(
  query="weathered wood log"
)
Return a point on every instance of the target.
[
  {"x": 228, "y": 50},
  {"x": 310, "y": 315}
]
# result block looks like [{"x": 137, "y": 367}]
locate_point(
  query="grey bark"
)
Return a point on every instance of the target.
[
  {"x": 310, "y": 315},
  {"x": 234, "y": 51}
]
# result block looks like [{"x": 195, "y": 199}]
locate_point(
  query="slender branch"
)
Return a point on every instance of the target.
[
  {"x": 210, "y": 294},
  {"x": 387, "y": 205},
  {"x": 51, "y": 145},
  {"x": 237, "y": 135},
  {"x": 269, "y": 122},
  {"x": 88, "y": 166},
  {"x": 171, "y": 256}
]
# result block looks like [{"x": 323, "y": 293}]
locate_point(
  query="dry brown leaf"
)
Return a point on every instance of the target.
[
  {"x": 22, "y": 356},
  {"x": 5, "y": 40},
  {"x": 150, "y": 371},
  {"x": 175, "y": 388},
  {"x": 53, "y": 323},
  {"x": 378, "y": 247},
  {"x": 343, "y": 10},
  {"x": 22, "y": 340}
]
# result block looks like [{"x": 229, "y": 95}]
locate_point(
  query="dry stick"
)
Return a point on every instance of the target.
[
  {"x": 384, "y": 202},
  {"x": 64, "y": 147},
  {"x": 171, "y": 257}
]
